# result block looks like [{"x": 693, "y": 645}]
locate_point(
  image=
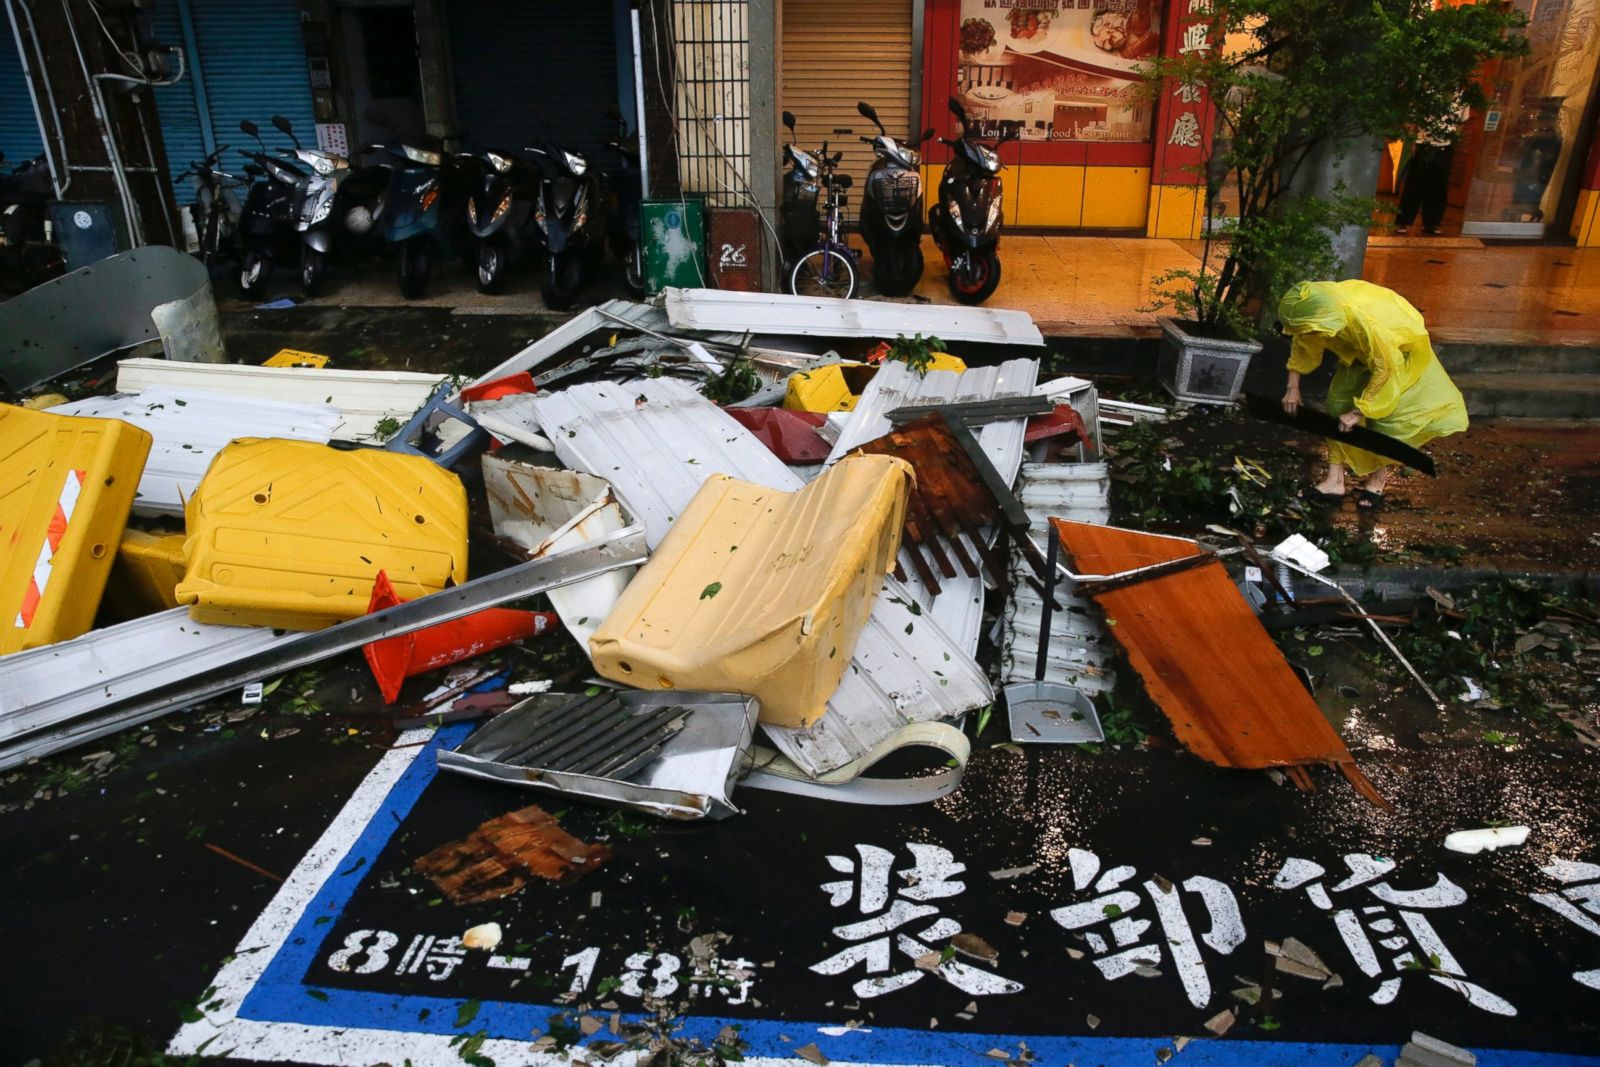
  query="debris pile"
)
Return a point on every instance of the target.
[{"x": 771, "y": 528}]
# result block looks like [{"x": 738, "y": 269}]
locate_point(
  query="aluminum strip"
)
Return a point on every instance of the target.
[
  {"x": 769, "y": 313},
  {"x": 295, "y": 650},
  {"x": 1080, "y": 653},
  {"x": 364, "y": 397},
  {"x": 190, "y": 426},
  {"x": 657, "y": 441}
]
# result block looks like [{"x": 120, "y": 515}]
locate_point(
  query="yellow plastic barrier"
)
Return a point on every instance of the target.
[
  {"x": 147, "y": 572},
  {"x": 293, "y": 357},
  {"x": 759, "y": 591},
  {"x": 66, "y": 485},
  {"x": 292, "y": 534},
  {"x": 838, "y": 387}
]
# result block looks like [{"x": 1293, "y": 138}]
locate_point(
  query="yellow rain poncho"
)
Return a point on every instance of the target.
[{"x": 1388, "y": 370}]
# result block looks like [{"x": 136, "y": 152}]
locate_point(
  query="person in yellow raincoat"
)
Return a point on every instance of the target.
[{"x": 1388, "y": 375}]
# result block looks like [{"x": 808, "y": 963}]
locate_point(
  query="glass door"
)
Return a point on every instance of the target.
[{"x": 1532, "y": 128}]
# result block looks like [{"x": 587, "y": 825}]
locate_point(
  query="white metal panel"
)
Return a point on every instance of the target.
[
  {"x": 657, "y": 441},
  {"x": 1080, "y": 653},
  {"x": 364, "y": 397},
  {"x": 777, "y": 313},
  {"x": 49, "y": 696},
  {"x": 189, "y": 427}
]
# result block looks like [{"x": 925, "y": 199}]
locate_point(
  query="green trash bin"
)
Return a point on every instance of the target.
[{"x": 674, "y": 236}]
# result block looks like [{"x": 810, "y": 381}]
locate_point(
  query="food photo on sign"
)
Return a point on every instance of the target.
[{"x": 1063, "y": 70}]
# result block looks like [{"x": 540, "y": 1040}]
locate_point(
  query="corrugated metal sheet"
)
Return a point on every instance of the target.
[
  {"x": 51, "y": 697},
  {"x": 254, "y": 61},
  {"x": 770, "y": 313},
  {"x": 535, "y": 71},
  {"x": 19, "y": 127},
  {"x": 1078, "y": 654},
  {"x": 190, "y": 427},
  {"x": 363, "y": 397},
  {"x": 958, "y": 608},
  {"x": 1205, "y": 660},
  {"x": 656, "y": 441},
  {"x": 179, "y": 109}
]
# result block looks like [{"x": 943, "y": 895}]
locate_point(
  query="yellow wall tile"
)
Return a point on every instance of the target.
[
  {"x": 1586, "y": 218},
  {"x": 1116, "y": 197},
  {"x": 1175, "y": 211},
  {"x": 1049, "y": 196}
]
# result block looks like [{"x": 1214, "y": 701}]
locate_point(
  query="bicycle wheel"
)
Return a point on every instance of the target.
[{"x": 823, "y": 272}]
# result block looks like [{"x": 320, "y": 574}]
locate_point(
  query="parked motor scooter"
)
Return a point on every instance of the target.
[
  {"x": 28, "y": 253},
  {"x": 271, "y": 212},
  {"x": 424, "y": 209},
  {"x": 627, "y": 186},
  {"x": 317, "y": 220},
  {"x": 891, "y": 210},
  {"x": 571, "y": 215},
  {"x": 799, "y": 221},
  {"x": 965, "y": 221},
  {"x": 501, "y": 198}
]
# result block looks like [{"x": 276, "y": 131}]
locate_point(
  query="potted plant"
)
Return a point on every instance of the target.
[{"x": 1296, "y": 84}]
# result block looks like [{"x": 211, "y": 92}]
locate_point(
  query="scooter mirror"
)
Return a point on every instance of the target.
[
  {"x": 788, "y": 120},
  {"x": 246, "y": 126},
  {"x": 927, "y": 135},
  {"x": 282, "y": 125},
  {"x": 869, "y": 113},
  {"x": 958, "y": 111}
]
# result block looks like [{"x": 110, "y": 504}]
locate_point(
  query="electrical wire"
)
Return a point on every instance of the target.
[{"x": 133, "y": 63}]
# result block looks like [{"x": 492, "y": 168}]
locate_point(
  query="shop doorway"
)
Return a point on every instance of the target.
[{"x": 380, "y": 47}]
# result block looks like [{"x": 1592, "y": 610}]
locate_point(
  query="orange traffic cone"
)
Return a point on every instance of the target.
[{"x": 394, "y": 659}]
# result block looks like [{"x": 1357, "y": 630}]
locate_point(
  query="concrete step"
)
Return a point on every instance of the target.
[
  {"x": 1488, "y": 357},
  {"x": 1531, "y": 396}
]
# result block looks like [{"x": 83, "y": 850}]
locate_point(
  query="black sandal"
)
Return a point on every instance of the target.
[
  {"x": 1331, "y": 499},
  {"x": 1367, "y": 500}
]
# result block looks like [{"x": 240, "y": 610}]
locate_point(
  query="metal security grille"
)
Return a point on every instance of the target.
[{"x": 711, "y": 98}]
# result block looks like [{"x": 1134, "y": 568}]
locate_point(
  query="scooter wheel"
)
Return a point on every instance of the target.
[
  {"x": 492, "y": 258},
  {"x": 633, "y": 273},
  {"x": 977, "y": 283},
  {"x": 899, "y": 273},
  {"x": 313, "y": 270},
  {"x": 416, "y": 262},
  {"x": 254, "y": 272},
  {"x": 563, "y": 277}
]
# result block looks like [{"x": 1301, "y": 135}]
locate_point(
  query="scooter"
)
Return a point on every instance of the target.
[
  {"x": 965, "y": 221},
  {"x": 571, "y": 215},
  {"x": 501, "y": 199},
  {"x": 799, "y": 221},
  {"x": 627, "y": 185},
  {"x": 891, "y": 215},
  {"x": 317, "y": 220},
  {"x": 28, "y": 252},
  {"x": 271, "y": 212},
  {"x": 217, "y": 206}
]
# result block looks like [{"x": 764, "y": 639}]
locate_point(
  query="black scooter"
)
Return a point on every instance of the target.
[
  {"x": 28, "y": 256},
  {"x": 891, "y": 211},
  {"x": 271, "y": 212},
  {"x": 799, "y": 220},
  {"x": 966, "y": 220},
  {"x": 627, "y": 190},
  {"x": 571, "y": 215},
  {"x": 501, "y": 198}
]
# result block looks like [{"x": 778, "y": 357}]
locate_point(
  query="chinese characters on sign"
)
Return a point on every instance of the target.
[{"x": 1185, "y": 131}]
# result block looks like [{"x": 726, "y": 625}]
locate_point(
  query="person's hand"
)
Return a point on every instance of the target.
[
  {"x": 1291, "y": 399},
  {"x": 1349, "y": 420}
]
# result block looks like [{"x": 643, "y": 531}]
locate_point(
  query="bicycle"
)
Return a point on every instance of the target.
[{"x": 829, "y": 269}]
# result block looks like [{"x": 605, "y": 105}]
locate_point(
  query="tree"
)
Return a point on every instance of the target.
[{"x": 1288, "y": 78}]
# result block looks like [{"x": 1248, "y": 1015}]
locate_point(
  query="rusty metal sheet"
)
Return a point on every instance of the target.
[
  {"x": 1205, "y": 659},
  {"x": 506, "y": 853}
]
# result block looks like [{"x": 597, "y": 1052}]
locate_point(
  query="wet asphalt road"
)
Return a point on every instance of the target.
[{"x": 116, "y": 910}]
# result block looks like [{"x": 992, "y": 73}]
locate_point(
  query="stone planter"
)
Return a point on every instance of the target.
[{"x": 1202, "y": 370}]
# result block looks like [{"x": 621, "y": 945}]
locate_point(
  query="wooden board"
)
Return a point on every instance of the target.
[{"x": 1206, "y": 661}]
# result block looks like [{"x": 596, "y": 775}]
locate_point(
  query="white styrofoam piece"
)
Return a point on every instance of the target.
[
  {"x": 1472, "y": 842},
  {"x": 1080, "y": 653},
  {"x": 190, "y": 426},
  {"x": 48, "y": 696},
  {"x": 657, "y": 441},
  {"x": 780, "y": 313},
  {"x": 364, "y": 397}
]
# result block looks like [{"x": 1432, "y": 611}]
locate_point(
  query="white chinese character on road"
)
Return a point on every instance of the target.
[
  {"x": 439, "y": 955},
  {"x": 1578, "y": 903},
  {"x": 1114, "y": 908},
  {"x": 1360, "y": 926},
  {"x": 878, "y": 934},
  {"x": 1186, "y": 131}
]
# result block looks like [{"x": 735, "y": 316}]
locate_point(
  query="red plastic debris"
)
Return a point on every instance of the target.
[
  {"x": 1063, "y": 421},
  {"x": 520, "y": 382},
  {"x": 790, "y": 435}
]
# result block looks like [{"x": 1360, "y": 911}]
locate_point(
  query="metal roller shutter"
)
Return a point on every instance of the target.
[
  {"x": 836, "y": 52},
  {"x": 532, "y": 71},
  {"x": 253, "y": 63},
  {"x": 19, "y": 127}
]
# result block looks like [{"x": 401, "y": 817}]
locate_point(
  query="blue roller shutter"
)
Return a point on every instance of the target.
[
  {"x": 253, "y": 62},
  {"x": 19, "y": 127},
  {"x": 532, "y": 71}
]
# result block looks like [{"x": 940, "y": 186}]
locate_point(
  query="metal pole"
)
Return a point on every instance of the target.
[
  {"x": 638, "y": 104},
  {"x": 120, "y": 179},
  {"x": 202, "y": 104},
  {"x": 33, "y": 95}
]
